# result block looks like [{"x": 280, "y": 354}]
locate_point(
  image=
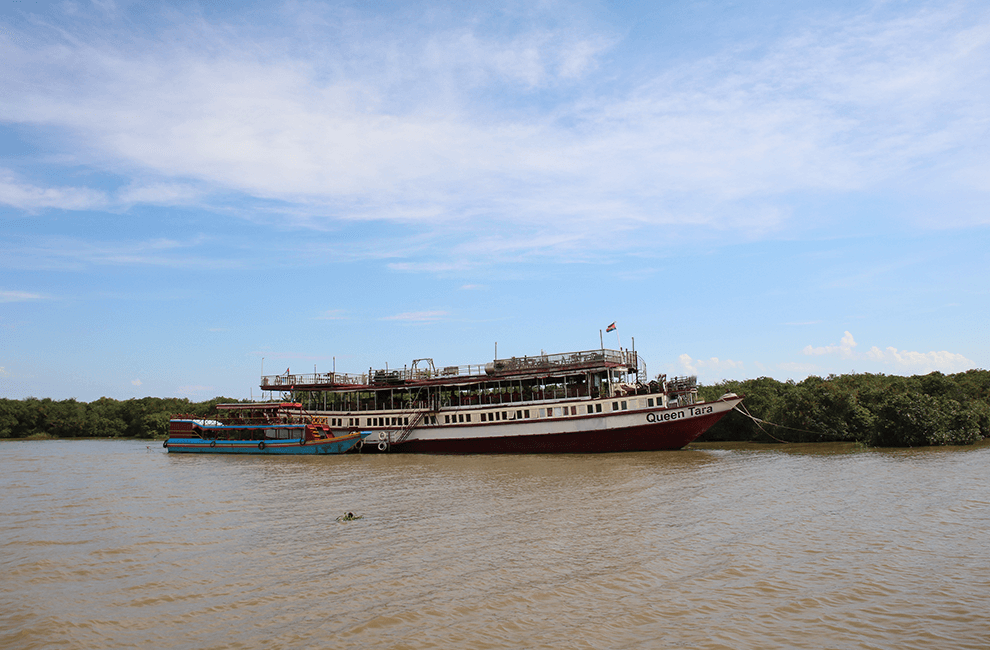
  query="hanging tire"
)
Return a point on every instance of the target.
[
  {"x": 382, "y": 446},
  {"x": 261, "y": 445},
  {"x": 165, "y": 444},
  {"x": 213, "y": 443},
  {"x": 302, "y": 441},
  {"x": 382, "y": 435}
]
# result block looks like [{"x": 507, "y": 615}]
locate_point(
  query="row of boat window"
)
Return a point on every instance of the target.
[{"x": 497, "y": 416}]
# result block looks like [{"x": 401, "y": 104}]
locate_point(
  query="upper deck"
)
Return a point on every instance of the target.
[{"x": 422, "y": 372}]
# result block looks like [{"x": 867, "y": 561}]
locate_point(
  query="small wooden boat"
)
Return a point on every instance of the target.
[{"x": 259, "y": 428}]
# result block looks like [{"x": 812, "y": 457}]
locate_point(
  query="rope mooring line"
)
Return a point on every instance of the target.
[{"x": 759, "y": 423}]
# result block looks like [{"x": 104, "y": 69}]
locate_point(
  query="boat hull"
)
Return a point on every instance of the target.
[
  {"x": 291, "y": 447},
  {"x": 643, "y": 431}
]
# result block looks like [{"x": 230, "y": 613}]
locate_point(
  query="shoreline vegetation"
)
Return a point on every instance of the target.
[{"x": 872, "y": 410}]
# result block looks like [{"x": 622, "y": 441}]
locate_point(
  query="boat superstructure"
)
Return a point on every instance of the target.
[{"x": 589, "y": 401}]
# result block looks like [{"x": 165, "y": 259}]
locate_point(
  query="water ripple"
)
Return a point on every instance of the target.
[{"x": 118, "y": 544}]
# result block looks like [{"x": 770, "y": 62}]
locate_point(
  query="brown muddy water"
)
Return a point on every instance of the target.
[{"x": 117, "y": 544}]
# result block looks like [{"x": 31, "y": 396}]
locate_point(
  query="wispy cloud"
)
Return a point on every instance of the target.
[
  {"x": 418, "y": 316},
  {"x": 58, "y": 252},
  {"x": 19, "y": 296},
  {"x": 25, "y": 196},
  {"x": 836, "y": 107},
  {"x": 196, "y": 108}
]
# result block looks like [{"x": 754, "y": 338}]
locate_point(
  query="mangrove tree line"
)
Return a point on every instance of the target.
[{"x": 876, "y": 410}]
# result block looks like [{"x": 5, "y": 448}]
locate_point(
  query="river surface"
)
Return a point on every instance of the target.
[{"x": 117, "y": 544}]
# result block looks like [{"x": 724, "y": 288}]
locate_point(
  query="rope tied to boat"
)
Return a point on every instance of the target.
[{"x": 741, "y": 408}]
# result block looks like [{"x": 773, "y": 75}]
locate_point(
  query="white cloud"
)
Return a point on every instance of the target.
[
  {"x": 712, "y": 368},
  {"x": 921, "y": 362},
  {"x": 18, "y": 296},
  {"x": 901, "y": 360},
  {"x": 369, "y": 120},
  {"x": 159, "y": 193},
  {"x": 844, "y": 349},
  {"x": 28, "y": 197},
  {"x": 136, "y": 382},
  {"x": 418, "y": 316}
]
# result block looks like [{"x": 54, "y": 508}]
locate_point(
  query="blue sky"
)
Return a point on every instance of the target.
[{"x": 192, "y": 194}]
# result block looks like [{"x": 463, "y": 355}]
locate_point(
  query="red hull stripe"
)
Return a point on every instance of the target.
[{"x": 646, "y": 437}]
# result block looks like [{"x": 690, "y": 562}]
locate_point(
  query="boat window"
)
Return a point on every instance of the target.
[
  {"x": 615, "y": 406},
  {"x": 526, "y": 413},
  {"x": 543, "y": 413},
  {"x": 573, "y": 410},
  {"x": 484, "y": 417},
  {"x": 591, "y": 408},
  {"x": 649, "y": 402},
  {"x": 505, "y": 416},
  {"x": 468, "y": 417},
  {"x": 623, "y": 405},
  {"x": 518, "y": 415},
  {"x": 460, "y": 417},
  {"x": 407, "y": 421},
  {"x": 447, "y": 420},
  {"x": 598, "y": 408}
]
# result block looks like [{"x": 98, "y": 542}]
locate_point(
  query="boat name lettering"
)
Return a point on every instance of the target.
[{"x": 676, "y": 415}]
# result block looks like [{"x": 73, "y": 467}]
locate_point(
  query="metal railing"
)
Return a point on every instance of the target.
[{"x": 394, "y": 376}]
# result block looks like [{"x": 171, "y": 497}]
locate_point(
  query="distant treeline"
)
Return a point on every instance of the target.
[
  {"x": 105, "y": 418},
  {"x": 876, "y": 410}
]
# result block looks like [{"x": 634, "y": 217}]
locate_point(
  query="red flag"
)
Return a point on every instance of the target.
[{"x": 610, "y": 327}]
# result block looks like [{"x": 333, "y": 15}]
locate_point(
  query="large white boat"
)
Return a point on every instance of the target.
[{"x": 576, "y": 402}]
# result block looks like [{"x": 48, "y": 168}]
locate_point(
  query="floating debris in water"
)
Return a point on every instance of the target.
[{"x": 349, "y": 516}]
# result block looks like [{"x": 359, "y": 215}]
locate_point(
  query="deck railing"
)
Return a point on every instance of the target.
[{"x": 395, "y": 376}]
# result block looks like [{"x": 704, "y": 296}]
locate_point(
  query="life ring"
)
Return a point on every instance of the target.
[
  {"x": 261, "y": 445},
  {"x": 213, "y": 443},
  {"x": 302, "y": 441},
  {"x": 382, "y": 435},
  {"x": 382, "y": 446},
  {"x": 165, "y": 444}
]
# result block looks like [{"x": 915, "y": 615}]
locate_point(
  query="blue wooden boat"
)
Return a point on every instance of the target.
[{"x": 259, "y": 428}]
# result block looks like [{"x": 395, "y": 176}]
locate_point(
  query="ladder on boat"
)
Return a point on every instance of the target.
[{"x": 408, "y": 429}]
